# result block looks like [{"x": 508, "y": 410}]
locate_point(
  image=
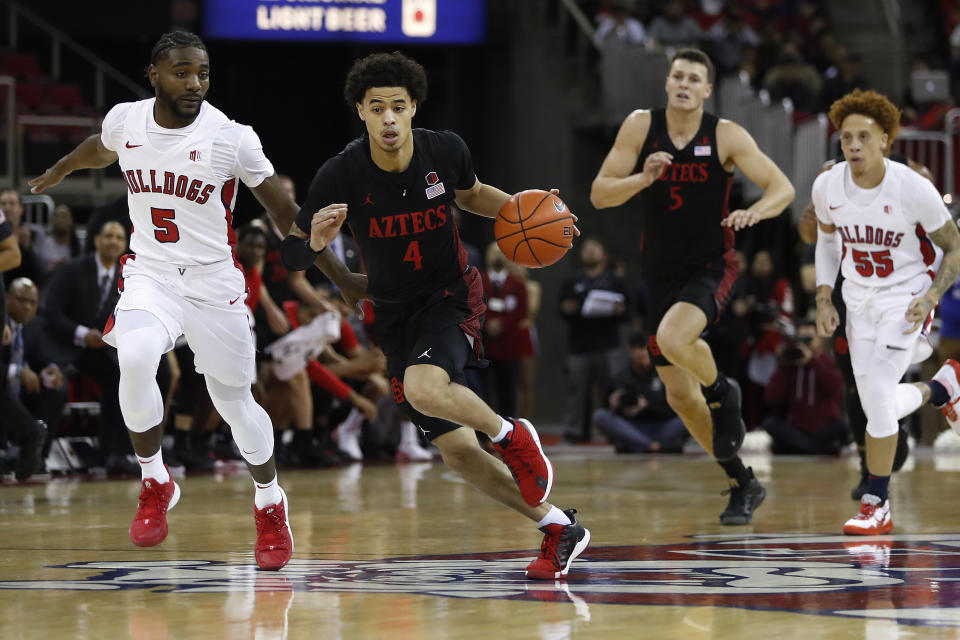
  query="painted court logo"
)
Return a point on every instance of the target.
[{"x": 907, "y": 578}]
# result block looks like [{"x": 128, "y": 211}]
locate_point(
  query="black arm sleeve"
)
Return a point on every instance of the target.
[{"x": 296, "y": 253}]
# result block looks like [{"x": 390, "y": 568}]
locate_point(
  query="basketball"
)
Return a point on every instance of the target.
[{"x": 534, "y": 228}]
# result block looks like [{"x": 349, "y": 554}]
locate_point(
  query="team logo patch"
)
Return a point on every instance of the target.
[
  {"x": 435, "y": 187},
  {"x": 702, "y": 150},
  {"x": 195, "y": 156},
  {"x": 811, "y": 574}
]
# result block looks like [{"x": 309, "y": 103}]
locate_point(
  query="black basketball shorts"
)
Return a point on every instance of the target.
[
  {"x": 707, "y": 288},
  {"x": 433, "y": 331}
]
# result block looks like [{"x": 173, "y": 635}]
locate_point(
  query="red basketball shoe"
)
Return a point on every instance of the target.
[
  {"x": 149, "y": 526},
  {"x": 530, "y": 467},
  {"x": 874, "y": 518},
  {"x": 561, "y": 545},
  {"x": 948, "y": 376},
  {"x": 274, "y": 540}
]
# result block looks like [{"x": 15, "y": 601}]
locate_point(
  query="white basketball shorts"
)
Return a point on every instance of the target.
[
  {"x": 204, "y": 303},
  {"x": 876, "y": 323}
]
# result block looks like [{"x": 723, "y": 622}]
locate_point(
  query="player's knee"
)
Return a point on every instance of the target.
[
  {"x": 670, "y": 343},
  {"x": 423, "y": 391},
  {"x": 459, "y": 455},
  {"x": 882, "y": 428}
]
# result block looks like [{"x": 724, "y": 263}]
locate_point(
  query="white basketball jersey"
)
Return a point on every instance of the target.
[
  {"x": 884, "y": 238},
  {"x": 182, "y": 183}
]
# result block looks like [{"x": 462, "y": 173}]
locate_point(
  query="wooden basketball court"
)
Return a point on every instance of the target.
[{"x": 409, "y": 551}]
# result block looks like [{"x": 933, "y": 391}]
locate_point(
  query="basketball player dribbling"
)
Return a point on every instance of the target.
[
  {"x": 884, "y": 225},
  {"x": 688, "y": 157},
  {"x": 181, "y": 159},
  {"x": 396, "y": 186}
]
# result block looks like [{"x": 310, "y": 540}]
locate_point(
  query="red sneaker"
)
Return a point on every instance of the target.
[
  {"x": 874, "y": 518},
  {"x": 149, "y": 526},
  {"x": 274, "y": 540},
  {"x": 561, "y": 545},
  {"x": 530, "y": 467}
]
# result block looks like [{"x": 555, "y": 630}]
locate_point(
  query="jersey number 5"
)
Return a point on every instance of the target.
[
  {"x": 166, "y": 229},
  {"x": 413, "y": 255},
  {"x": 676, "y": 199},
  {"x": 877, "y": 262}
]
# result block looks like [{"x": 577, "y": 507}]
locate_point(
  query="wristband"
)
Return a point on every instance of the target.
[{"x": 296, "y": 253}]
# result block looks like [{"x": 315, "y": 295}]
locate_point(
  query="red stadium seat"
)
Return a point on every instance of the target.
[
  {"x": 65, "y": 96},
  {"x": 22, "y": 65},
  {"x": 29, "y": 97}
]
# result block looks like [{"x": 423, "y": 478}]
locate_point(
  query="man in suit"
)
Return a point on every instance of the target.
[
  {"x": 79, "y": 300},
  {"x": 32, "y": 375},
  {"x": 17, "y": 424}
]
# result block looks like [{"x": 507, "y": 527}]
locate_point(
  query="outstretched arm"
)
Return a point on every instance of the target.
[
  {"x": 738, "y": 148},
  {"x": 615, "y": 184},
  {"x": 89, "y": 154},
  {"x": 482, "y": 199},
  {"x": 278, "y": 204}
]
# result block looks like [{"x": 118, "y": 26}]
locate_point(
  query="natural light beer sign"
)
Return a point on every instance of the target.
[{"x": 407, "y": 21}]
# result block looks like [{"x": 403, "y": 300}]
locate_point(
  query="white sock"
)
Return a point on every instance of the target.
[
  {"x": 353, "y": 421},
  {"x": 408, "y": 434},
  {"x": 267, "y": 494},
  {"x": 554, "y": 516},
  {"x": 505, "y": 429},
  {"x": 152, "y": 467}
]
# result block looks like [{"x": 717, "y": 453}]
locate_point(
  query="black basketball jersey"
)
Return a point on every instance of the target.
[
  {"x": 402, "y": 222},
  {"x": 682, "y": 210}
]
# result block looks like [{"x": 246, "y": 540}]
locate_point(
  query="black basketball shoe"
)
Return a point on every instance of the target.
[
  {"x": 744, "y": 500},
  {"x": 728, "y": 426}
]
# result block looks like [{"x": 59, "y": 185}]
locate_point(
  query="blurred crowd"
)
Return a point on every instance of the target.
[{"x": 787, "y": 47}]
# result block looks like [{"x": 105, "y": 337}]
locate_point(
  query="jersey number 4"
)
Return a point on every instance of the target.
[
  {"x": 413, "y": 255},
  {"x": 166, "y": 229},
  {"x": 876, "y": 263}
]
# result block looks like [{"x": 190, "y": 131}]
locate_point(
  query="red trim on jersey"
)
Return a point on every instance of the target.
[
  {"x": 730, "y": 273},
  {"x": 473, "y": 325},
  {"x": 228, "y": 197},
  {"x": 107, "y": 328},
  {"x": 926, "y": 247},
  {"x": 652, "y": 345},
  {"x": 458, "y": 247},
  {"x": 123, "y": 261}
]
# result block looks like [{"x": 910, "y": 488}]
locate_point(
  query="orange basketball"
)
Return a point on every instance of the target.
[{"x": 534, "y": 228}]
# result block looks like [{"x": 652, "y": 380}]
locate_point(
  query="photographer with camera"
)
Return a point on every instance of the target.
[
  {"x": 806, "y": 394},
  {"x": 638, "y": 418}
]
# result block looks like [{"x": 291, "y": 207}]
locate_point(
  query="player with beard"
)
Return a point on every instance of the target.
[{"x": 181, "y": 159}]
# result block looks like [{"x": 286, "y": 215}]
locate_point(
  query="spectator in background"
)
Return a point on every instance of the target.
[
  {"x": 528, "y": 347},
  {"x": 618, "y": 26},
  {"x": 840, "y": 80},
  {"x": 32, "y": 375},
  {"x": 80, "y": 299},
  {"x": 58, "y": 244},
  {"x": 12, "y": 207},
  {"x": 770, "y": 297},
  {"x": 730, "y": 38},
  {"x": 637, "y": 418},
  {"x": 17, "y": 425},
  {"x": 114, "y": 211},
  {"x": 805, "y": 395},
  {"x": 673, "y": 28},
  {"x": 506, "y": 296},
  {"x": 793, "y": 78},
  {"x": 594, "y": 305}
]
